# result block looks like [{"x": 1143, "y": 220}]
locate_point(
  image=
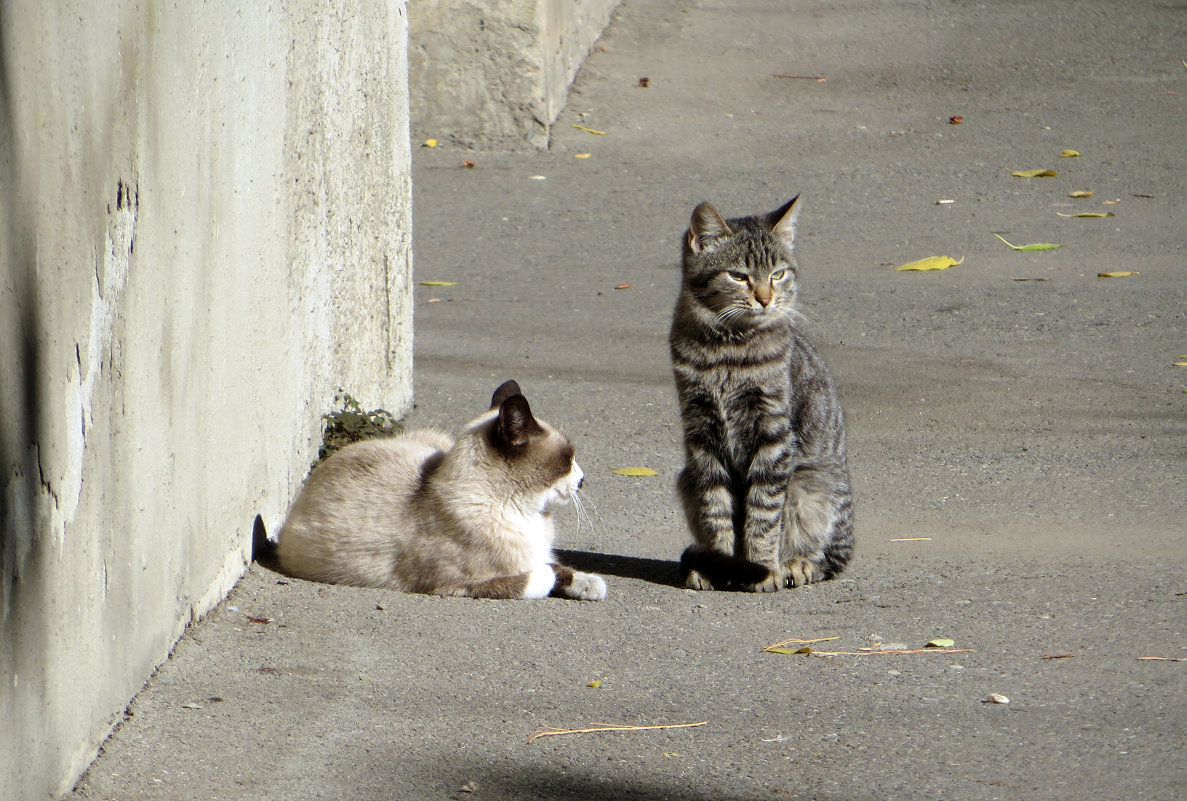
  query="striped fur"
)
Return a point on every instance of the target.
[{"x": 765, "y": 486}]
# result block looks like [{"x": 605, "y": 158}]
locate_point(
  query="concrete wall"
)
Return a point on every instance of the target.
[
  {"x": 204, "y": 232},
  {"x": 497, "y": 70}
]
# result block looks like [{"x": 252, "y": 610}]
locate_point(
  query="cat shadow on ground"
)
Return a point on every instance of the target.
[{"x": 657, "y": 571}]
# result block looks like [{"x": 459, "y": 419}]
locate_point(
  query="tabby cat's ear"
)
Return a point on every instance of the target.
[
  {"x": 706, "y": 227},
  {"x": 516, "y": 423},
  {"x": 783, "y": 220},
  {"x": 505, "y": 391}
]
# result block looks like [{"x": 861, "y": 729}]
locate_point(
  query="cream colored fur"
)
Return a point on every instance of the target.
[{"x": 423, "y": 513}]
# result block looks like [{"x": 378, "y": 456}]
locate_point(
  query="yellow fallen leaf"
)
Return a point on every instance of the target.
[
  {"x": 587, "y": 130},
  {"x": 430, "y": 143},
  {"x": 1088, "y": 214},
  {"x": 1117, "y": 274},
  {"x": 581, "y": 155},
  {"x": 1080, "y": 193},
  {"x": 1069, "y": 154},
  {"x": 940, "y": 642},
  {"x": 1034, "y": 173},
  {"x": 638, "y": 472},
  {"x": 1032, "y": 246},
  {"x": 1180, "y": 364},
  {"x": 930, "y": 263},
  {"x": 596, "y": 683},
  {"x": 438, "y": 283}
]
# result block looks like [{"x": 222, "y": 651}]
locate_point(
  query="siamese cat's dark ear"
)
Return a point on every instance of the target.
[
  {"x": 516, "y": 424},
  {"x": 505, "y": 391},
  {"x": 706, "y": 227},
  {"x": 783, "y": 220}
]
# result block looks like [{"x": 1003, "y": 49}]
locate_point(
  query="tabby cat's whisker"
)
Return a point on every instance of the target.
[
  {"x": 730, "y": 312},
  {"x": 794, "y": 315}
]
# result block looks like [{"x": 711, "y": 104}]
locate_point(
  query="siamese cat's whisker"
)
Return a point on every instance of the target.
[
  {"x": 579, "y": 510},
  {"x": 588, "y": 502},
  {"x": 583, "y": 504}
]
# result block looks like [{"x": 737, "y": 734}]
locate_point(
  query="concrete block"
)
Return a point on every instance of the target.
[
  {"x": 497, "y": 71},
  {"x": 205, "y": 228}
]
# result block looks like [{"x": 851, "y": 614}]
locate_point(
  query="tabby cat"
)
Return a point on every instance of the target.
[
  {"x": 423, "y": 513},
  {"x": 765, "y": 486}
]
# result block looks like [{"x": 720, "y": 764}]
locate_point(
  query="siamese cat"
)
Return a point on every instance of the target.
[{"x": 424, "y": 513}]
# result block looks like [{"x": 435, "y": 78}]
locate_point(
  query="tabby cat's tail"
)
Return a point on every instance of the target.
[{"x": 721, "y": 569}]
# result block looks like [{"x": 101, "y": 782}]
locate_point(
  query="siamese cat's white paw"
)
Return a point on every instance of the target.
[
  {"x": 540, "y": 582},
  {"x": 579, "y": 586},
  {"x": 586, "y": 587}
]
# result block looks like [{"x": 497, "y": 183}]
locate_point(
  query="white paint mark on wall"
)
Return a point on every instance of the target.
[{"x": 106, "y": 299}]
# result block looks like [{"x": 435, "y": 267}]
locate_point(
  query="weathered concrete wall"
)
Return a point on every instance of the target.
[
  {"x": 497, "y": 70},
  {"x": 204, "y": 232}
]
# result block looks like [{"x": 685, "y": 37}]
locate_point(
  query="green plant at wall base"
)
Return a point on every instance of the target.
[{"x": 351, "y": 424}]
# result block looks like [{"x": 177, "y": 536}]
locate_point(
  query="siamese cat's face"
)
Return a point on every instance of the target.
[
  {"x": 532, "y": 457},
  {"x": 562, "y": 492}
]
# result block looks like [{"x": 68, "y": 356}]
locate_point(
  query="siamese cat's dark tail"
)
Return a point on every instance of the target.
[
  {"x": 722, "y": 570},
  {"x": 263, "y": 550}
]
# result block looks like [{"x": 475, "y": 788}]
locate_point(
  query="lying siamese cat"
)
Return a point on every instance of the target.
[{"x": 424, "y": 513}]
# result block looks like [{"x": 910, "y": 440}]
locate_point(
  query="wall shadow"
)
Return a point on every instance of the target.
[
  {"x": 20, "y": 359},
  {"x": 605, "y": 782},
  {"x": 24, "y": 633}
]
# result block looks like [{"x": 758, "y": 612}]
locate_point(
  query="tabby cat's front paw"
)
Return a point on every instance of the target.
[
  {"x": 772, "y": 583},
  {"x": 801, "y": 571},
  {"x": 697, "y": 581}
]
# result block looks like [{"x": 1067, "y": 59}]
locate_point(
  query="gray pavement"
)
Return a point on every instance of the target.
[{"x": 1032, "y": 432}]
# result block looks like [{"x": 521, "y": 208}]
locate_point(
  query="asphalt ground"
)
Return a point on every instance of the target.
[{"x": 1018, "y": 438}]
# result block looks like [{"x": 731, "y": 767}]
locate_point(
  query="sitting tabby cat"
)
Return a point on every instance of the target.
[
  {"x": 422, "y": 513},
  {"x": 765, "y": 486}
]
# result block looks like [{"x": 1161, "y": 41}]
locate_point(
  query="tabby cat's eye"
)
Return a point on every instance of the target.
[
  {"x": 778, "y": 275},
  {"x": 738, "y": 276}
]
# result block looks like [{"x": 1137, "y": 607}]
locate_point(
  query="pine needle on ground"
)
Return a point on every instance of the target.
[{"x": 600, "y": 727}]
